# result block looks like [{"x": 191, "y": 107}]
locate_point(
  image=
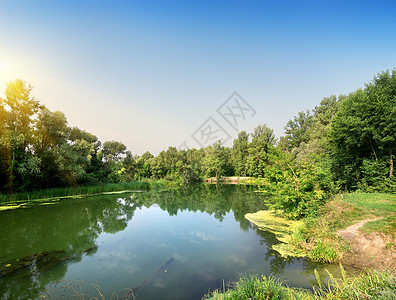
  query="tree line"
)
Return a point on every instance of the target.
[{"x": 346, "y": 142}]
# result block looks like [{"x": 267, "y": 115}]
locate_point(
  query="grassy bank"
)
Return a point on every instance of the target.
[
  {"x": 80, "y": 190},
  {"x": 318, "y": 236},
  {"x": 368, "y": 285}
]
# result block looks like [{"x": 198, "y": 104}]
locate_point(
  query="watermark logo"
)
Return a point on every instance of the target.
[
  {"x": 183, "y": 146},
  {"x": 235, "y": 110},
  {"x": 210, "y": 132}
]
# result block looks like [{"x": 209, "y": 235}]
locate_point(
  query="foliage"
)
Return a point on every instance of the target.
[
  {"x": 240, "y": 152},
  {"x": 325, "y": 252},
  {"x": 344, "y": 143},
  {"x": 368, "y": 284},
  {"x": 318, "y": 237},
  {"x": 315, "y": 146},
  {"x": 363, "y": 134},
  {"x": 297, "y": 129},
  {"x": 318, "y": 240},
  {"x": 38, "y": 150},
  {"x": 298, "y": 188},
  {"x": 217, "y": 161},
  {"x": 256, "y": 287}
]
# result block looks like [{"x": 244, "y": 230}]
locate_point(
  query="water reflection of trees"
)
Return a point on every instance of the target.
[
  {"x": 214, "y": 200},
  {"x": 72, "y": 226}
]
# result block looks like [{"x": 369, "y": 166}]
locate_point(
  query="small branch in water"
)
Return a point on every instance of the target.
[{"x": 160, "y": 270}]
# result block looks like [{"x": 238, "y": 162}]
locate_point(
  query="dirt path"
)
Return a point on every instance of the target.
[{"x": 368, "y": 250}]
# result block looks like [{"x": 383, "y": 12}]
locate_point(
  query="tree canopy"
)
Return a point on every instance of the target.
[{"x": 346, "y": 142}]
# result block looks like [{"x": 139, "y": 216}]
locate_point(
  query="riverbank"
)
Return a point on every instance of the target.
[
  {"x": 368, "y": 284},
  {"x": 18, "y": 199},
  {"x": 228, "y": 180},
  {"x": 356, "y": 229}
]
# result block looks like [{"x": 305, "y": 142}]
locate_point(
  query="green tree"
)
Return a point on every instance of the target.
[
  {"x": 217, "y": 161},
  {"x": 350, "y": 140},
  {"x": 364, "y": 130},
  {"x": 315, "y": 146},
  {"x": 143, "y": 164},
  {"x": 297, "y": 129},
  {"x": 50, "y": 135},
  {"x": 260, "y": 149},
  {"x": 112, "y": 151},
  {"x": 130, "y": 166},
  {"x": 17, "y": 111},
  {"x": 240, "y": 153},
  {"x": 381, "y": 96}
]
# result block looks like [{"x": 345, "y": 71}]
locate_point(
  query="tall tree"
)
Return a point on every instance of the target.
[
  {"x": 217, "y": 161},
  {"x": 297, "y": 129},
  {"x": 381, "y": 96},
  {"x": 18, "y": 109},
  {"x": 363, "y": 133},
  {"x": 112, "y": 150},
  {"x": 240, "y": 153},
  {"x": 315, "y": 144},
  {"x": 143, "y": 164},
  {"x": 50, "y": 135},
  {"x": 112, "y": 153},
  {"x": 260, "y": 148}
]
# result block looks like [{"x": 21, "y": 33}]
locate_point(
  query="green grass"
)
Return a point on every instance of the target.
[
  {"x": 367, "y": 285},
  {"x": 256, "y": 287},
  {"x": 47, "y": 194},
  {"x": 346, "y": 209},
  {"x": 324, "y": 251},
  {"x": 376, "y": 203},
  {"x": 319, "y": 241},
  {"x": 386, "y": 225},
  {"x": 318, "y": 237}
]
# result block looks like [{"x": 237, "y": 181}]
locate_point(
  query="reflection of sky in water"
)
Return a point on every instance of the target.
[
  {"x": 154, "y": 237},
  {"x": 204, "y": 251}
]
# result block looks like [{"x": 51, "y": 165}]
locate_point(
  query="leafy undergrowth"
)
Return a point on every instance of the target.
[
  {"x": 319, "y": 241},
  {"x": 318, "y": 236},
  {"x": 367, "y": 285}
]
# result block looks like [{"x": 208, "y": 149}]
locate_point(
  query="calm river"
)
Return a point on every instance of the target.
[{"x": 173, "y": 244}]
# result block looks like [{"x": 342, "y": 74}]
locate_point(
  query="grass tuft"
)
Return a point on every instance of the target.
[{"x": 367, "y": 285}]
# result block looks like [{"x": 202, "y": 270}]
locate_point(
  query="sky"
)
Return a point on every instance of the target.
[{"x": 154, "y": 74}]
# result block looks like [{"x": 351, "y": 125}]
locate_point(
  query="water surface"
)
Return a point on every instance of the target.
[{"x": 174, "y": 244}]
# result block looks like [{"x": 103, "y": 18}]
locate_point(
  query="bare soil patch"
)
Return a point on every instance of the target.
[{"x": 369, "y": 250}]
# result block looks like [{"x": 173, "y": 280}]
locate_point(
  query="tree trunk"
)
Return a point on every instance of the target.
[
  {"x": 375, "y": 154},
  {"x": 391, "y": 161},
  {"x": 10, "y": 178}
]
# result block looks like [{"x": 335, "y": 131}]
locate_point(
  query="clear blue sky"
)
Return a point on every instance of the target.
[{"x": 149, "y": 73}]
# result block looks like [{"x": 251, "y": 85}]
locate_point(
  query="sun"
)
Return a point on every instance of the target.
[{"x": 6, "y": 73}]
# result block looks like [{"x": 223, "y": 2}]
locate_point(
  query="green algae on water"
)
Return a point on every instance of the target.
[
  {"x": 283, "y": 229},
  {"x": 7, "y": 207}
]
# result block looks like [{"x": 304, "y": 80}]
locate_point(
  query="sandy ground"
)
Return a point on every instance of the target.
[{"x": 369, "y": 251}]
